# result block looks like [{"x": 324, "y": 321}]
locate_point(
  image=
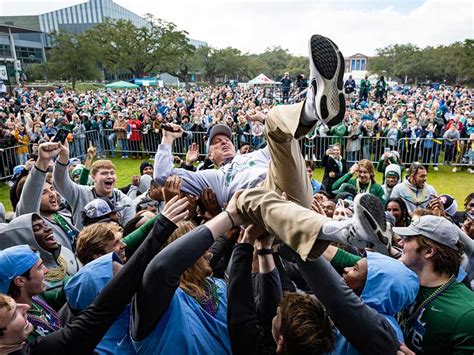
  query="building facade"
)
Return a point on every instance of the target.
[{"x": 75, "y": 19}]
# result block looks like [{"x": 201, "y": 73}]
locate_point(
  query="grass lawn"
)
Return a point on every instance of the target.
[{"x": 458, "y": 185}]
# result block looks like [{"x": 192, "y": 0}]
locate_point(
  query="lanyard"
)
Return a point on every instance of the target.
[
  {"x": 71, "y": 233},
  {"x": 427, "y": 301}
]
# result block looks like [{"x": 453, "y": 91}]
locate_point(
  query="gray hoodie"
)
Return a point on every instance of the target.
[
  {"x": 19, "y": 231},
  {"x": 388, "y": 190},
  {"x": 242, "y": 172},
  {"x": 78, "y": 196},
  {"x": 30, "y": 201},
  {"x": 414, "y": 197}
]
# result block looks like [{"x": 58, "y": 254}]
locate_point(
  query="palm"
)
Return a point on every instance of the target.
[{"x": 193, "y": 153}]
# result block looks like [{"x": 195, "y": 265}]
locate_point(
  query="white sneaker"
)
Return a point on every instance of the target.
[
  {"x": 454, "y": 170},
  {"x": 435, "y": 168},
  {"x": 326, "y": 65},
  {"x": 369, "y": 225}
]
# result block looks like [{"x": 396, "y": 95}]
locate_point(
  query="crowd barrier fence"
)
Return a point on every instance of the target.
[{"x": 139, "y": 144}]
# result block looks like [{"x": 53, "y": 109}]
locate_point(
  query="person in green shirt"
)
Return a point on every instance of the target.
[
  {"x": 362, "y": 177},
  {"x": 364, "y": 89},
  {"x": 441, "y": 321}
]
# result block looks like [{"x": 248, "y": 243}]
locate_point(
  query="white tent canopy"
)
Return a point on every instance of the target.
[{"x": 262, "y": 79}]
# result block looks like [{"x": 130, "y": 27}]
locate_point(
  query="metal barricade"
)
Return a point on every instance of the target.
[{"x": 9, "y": 158}]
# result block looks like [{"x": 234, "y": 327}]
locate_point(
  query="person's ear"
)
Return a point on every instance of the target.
[
  {"x": 430, "y": 252},
  {"x": 19, "y": 281}
]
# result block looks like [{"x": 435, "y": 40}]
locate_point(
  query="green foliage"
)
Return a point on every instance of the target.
[
  {"x": 72, "y": 58},
  {"x": 453, "y": 64},
  {"x": 141, "y": 50}
]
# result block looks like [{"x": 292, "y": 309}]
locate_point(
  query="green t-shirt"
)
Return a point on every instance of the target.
[{"x": 446, "y": 325}]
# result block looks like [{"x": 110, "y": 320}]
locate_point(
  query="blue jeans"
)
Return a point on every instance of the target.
[
  {"x": 124, "y": 147},
  {"x": 111, "y": 140},
  {"x": 79, "y": 149}
]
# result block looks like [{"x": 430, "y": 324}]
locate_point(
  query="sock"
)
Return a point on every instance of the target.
[
  {"x": 308, "y": 114},
  {"x": 335, "y": 231}
]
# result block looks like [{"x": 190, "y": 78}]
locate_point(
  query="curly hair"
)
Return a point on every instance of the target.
[
  {"x": 92, "y": 240},
  {"x": 305, "y": 325}
]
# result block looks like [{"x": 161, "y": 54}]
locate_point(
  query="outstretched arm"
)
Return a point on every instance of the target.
[
  {"x": 363, "y": 327},
  {"x": 82, "y": 335}
]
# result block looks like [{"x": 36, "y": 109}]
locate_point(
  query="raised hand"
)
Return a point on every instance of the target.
[
  {"x": 192, "y": 155},
  {"x": 64, "y": 152},
  {"x": 209, "y": 200},
  {"x": 232, "y": 209},
  {"x": 172, "y": 187},
  {"x": 176, "y": 209},
  {"x": 170, "y": 136},
  {"x": 46, "y": 152}
]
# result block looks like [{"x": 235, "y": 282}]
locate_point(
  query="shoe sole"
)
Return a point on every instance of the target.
[
  {"x": 328, "y": 62},
  {"x": 370, "y": 209}
]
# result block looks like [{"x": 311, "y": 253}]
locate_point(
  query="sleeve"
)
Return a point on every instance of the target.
[
  {"x": 30, "y": 198},
  {"x": 65, "y": 186},
  {"x": 367, "y": 330},
  {"x": 84, "y": 177},
  {"x": 245, "y": 331},
  {"x": 268, "y": 291},
  {"x": 463, "y": 336},
  {"x": 343, "y": 259},
  {"x": 81, "y": 335},
  {"x": 162, "y": 276},
  {"x": 134, "y": 239},
  {"x": 345, "y": 178},
  {"x": 129, "y": 211},
  {"x": 193, "y": 182}
]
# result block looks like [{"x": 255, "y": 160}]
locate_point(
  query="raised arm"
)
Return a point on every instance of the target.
[
  {"x": 62, "y": 182},
  {"x": 30, "y": 199},
  {"x": 368, "y": 331},
  {"x": 193, "y": 182}
]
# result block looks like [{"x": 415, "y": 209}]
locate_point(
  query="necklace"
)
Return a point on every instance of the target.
[
  {"x": 57, "y": 274},
  {"x": 359, "y": 190},
  {"x": 210, "y": 301}
]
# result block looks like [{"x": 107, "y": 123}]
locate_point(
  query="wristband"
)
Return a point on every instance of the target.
[
  {"x": 228, "y": 214},
  {"x": 264, "y": 251}
]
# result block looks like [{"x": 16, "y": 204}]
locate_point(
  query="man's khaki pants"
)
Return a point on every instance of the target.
[{"x": 292, "y": 222}]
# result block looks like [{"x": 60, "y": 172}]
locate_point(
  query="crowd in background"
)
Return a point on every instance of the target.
[
  {"x": 181, "y": 260},
  {"x": 421, "y": 124}
]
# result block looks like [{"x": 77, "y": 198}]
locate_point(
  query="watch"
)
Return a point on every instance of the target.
[{"x": 265, "y": 251}]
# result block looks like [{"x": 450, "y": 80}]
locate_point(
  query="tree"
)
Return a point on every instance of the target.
[
  {"x": 277, "y": 60},
  {"x": 72, "y": 58},
  {"x": 453, "y": 63},
  {"x": 140, "y": 50}
]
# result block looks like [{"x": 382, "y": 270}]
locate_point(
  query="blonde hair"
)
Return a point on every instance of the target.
[
  {"x": 101, "y": 164},
  {"x": 92, "y": 240},
  {"x": 194, "y": 279},
  {"x": 367, "y": 164}
]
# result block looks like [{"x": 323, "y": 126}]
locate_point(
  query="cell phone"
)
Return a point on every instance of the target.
[
  {"x": 387, "y": 150},
  {"x": 61, "y": 136}
]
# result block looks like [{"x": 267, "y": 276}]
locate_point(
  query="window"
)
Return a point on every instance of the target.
[
  {"x": 362, "y": 64},
  {"x": 358, "y": 64},
  {"x": 352, "y": 64}
]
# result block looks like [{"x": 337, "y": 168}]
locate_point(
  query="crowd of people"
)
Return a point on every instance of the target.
[{"x": 241, "y": 253}]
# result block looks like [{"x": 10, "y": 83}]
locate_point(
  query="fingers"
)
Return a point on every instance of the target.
[{"x": 176, "y": 209}]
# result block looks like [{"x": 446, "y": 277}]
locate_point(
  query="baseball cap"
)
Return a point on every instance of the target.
[
  {"x": 74, "y": 161},
  {"x": 14, "y": 262},
  {"x": 99, "y": 208},
  {"x": 392, "y": 173},
  {"x": 435, "y": 228},
  {"x": 219, "y": 129}
]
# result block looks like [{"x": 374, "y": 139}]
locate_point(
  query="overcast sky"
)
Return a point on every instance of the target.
[{"x": 252, "y": 26}]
